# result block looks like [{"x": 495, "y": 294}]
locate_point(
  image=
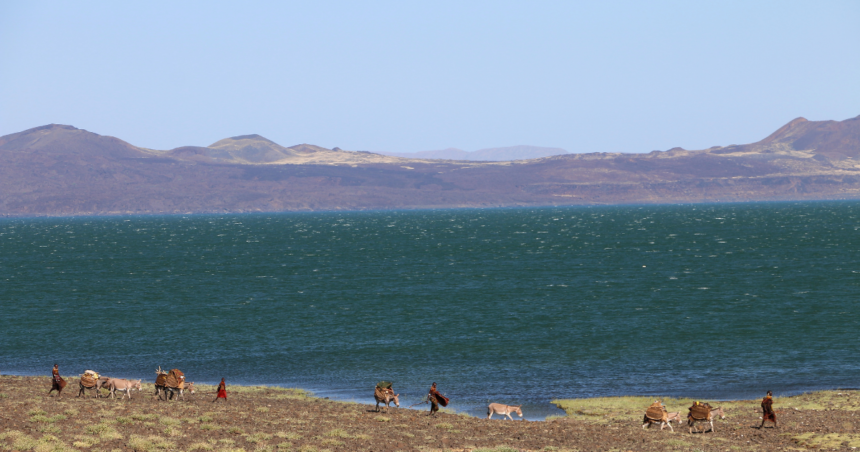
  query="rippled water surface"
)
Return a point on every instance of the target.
[{"x": 507, "y": 305}]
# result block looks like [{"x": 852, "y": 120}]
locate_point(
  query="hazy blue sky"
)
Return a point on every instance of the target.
[{"x": 408, "y": 76}]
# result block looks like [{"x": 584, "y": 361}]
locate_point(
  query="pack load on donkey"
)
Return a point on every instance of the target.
[
  {"x": 172, "y": 382},
  {"x": 175, "y": 379},
  {"x": 161, "y": 377},
  {"x": 383, "y": 388},
  {"x": 699, "y": 412},
  {"x": 89, "y": 379},
  {"x": 657, "y": 412},
  {"x": 384, "y": 394}
]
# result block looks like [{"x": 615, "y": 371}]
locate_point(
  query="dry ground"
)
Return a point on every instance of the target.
[{"x": 275, "y": 419}]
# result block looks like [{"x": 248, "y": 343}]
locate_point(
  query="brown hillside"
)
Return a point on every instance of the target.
[
  {"x": 835, "y": 140},
  {"x": 61, "y": 170},
  {"x": 67, "y": 140}
]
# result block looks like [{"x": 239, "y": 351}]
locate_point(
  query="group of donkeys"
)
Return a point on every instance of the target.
[{"x": 127, "y": 386}]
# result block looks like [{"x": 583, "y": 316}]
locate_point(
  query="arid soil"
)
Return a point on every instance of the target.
[{"x": 258, "y": 418}]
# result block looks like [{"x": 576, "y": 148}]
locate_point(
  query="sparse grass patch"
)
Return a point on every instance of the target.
[
  {"x": 235, "y": 431},
  {"x": 37, "y": 413},
  {"x": 124, "y": 420},
  {"x": 46, "y": 419},
  {"x": 262, "y": 409},
  {"x": 498, "y": 449},
  {"x": 285, "y": 446},
  {"x": 258, "y": 437},
  {"x": 290, "y": 393},
  {"x": 104, "y": 431},
  {"x": 338, "y": 433},
  {"x": 204, "y": 419},
  {"x": 820, "y": 400},
  {"x": 288, "y": 435},
  {"x": 144, "y": 417},
  {"x": 85, "y": 442},
  {"x": 605, "y": 409},
  {"x": 208, "y": 427},
  {"x": 149, "y": 443},
  {"x": 444, "y": 426},
  {"x": 169, "y": 421},
  {"x": 452, "y": 411},
  {"x": 71, "y": 412},
  {"x": 24, "y": 442},
  {"x": 382, "y": 419},
  {"x": 200, "y": 446},
  {"x": 172, "y": 431},
  {"x": 678, "y": 443},
  {"x": 332, "y": 442},
  {"x": 827, "y": 440},
  {"x": 50, "y": 443},
  {"x": 50, "y": 428}
]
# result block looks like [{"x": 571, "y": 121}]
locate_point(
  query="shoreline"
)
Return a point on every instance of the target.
[
  {"x": 546, "y": 409},
  {"x": 272, "y": 419}
]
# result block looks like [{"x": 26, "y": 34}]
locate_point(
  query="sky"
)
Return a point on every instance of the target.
[{"x": 407, "y": 76}]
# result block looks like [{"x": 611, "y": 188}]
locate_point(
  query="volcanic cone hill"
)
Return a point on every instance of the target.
[
  {"x": 56, "y": 139},
  {"x": 61, "y": 170}
]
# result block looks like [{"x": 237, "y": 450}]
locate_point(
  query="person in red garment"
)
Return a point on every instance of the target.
[
  {"x": 222, "y": 392},
  {"x": 57, "y": 382},
  {"x": 767, "y": 413},
  {"x": 436, "y": 399}
]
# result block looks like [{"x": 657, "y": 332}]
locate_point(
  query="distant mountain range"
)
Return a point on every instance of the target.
[
  {"x": 483, "y": 155},
  {"x": 62, "y": 170}
]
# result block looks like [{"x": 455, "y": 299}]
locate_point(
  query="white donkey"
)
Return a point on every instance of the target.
[
  {"x": 122, "y": 385},
  {"x": 504, "y": 410}
]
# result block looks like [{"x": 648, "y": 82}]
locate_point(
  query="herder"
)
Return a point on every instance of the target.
[
  {"x": 767, "y": 413},
  {"x": 222, "y": 392},
  {"x": 57, "y": 382},
  {"x": 436, "y": 399}
]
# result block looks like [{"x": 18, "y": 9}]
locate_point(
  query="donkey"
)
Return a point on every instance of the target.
[
  {"x": 122, "y": 385},
  {"x": 674, "y": 416},
  {"x": 386, "y": 398},
  {"x": 100, "y": 383},
  {"x": 714, "y": 412},
  {"x": 179, "y": 392},
  {"x": 504, "y": 410}
]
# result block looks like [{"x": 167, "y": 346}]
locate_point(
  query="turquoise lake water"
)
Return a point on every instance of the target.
[{"x": 503, "y": 305}]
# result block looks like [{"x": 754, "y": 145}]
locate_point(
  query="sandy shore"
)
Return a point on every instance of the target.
[{"x": 275, "y": 419}]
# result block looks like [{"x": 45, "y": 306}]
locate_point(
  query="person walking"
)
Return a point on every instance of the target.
[
  {"x": 767, "y": 413},
  {"x": 222, "y": 392},
  {"x": 57, "y": 382},
  {"x": 436, "y": 399}
]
